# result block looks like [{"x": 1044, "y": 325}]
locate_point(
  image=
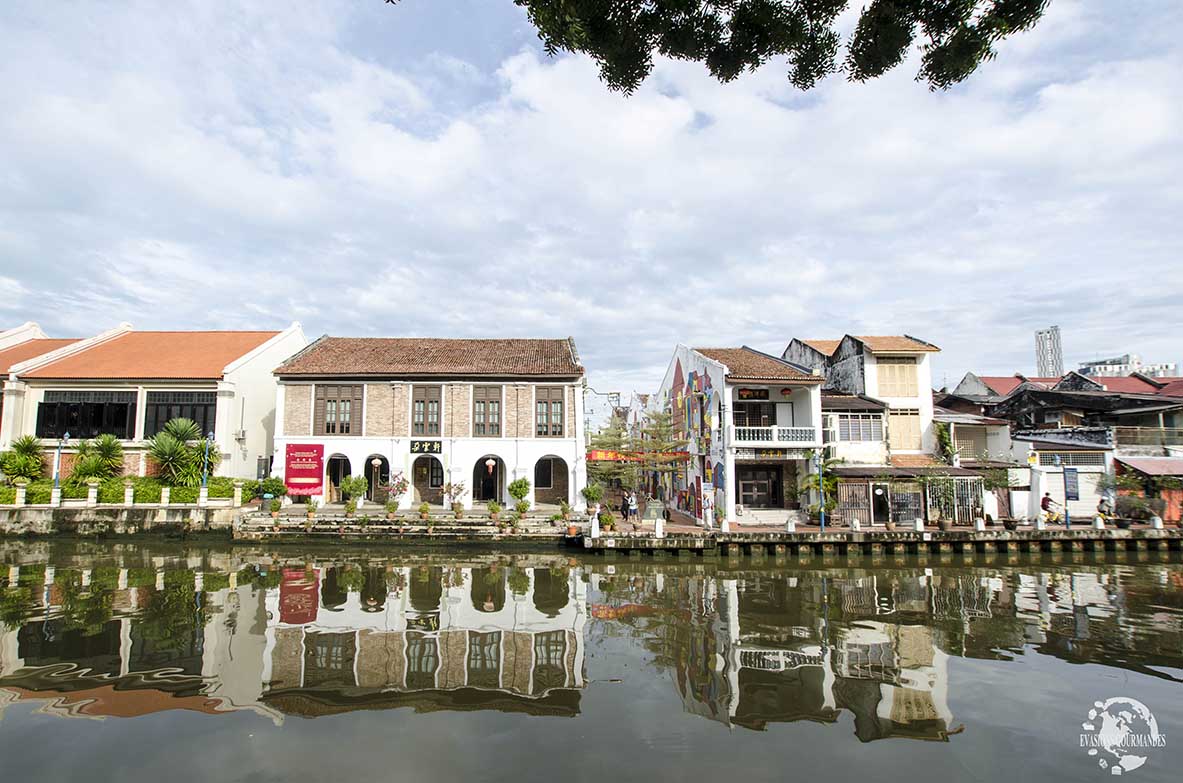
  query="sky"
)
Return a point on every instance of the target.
[{"x": 425, "y": 169}]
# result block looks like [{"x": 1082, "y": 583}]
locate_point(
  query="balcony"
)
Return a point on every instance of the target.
[
  {"x": 774, "y": 436},
  {"x": 1148, "y": 436}
]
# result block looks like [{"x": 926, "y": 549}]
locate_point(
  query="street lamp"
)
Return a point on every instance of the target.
[
  {"x": 209, "y": 438},
  {"x": 821, "y": 490},
  {"x": 57, "y": 458}
]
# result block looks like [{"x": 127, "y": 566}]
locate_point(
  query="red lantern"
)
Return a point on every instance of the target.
[{"x": 490, "y": 463}]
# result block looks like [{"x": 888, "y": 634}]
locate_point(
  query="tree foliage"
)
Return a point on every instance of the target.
[
  {"x": 179, "y": 452},
  {"x": 730, "y": 37},
  {"x": 23, "y": 460}
]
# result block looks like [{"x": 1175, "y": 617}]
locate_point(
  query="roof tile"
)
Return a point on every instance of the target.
[
  {"x": 189, "y": 355},
  {"x": 434, "y": 356},
  {"x": 751, "y": 364},
  {"x": 30, "y": 349}
]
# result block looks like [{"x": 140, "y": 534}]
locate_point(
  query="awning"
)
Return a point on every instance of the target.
[{"x": 1154, "y": 466}]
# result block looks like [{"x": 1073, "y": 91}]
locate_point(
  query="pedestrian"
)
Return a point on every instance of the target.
[
  {"x": 633, "y": 510},
  {"x": 624, "y": 506},
  {"x": 1104, "y": 508},
  {"x": 1049, "y": 508}
]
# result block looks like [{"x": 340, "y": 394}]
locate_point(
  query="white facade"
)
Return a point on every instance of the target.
[{"x": 921, "y": 401}]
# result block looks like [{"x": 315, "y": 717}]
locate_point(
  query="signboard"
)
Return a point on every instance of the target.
[
  {"x": 427, "y": 447},
  {"x": 304, "y": 468},
  {"x": 427, "y": 622},
  {"x": 752, "y": 394},
  {"x": 773, "y": 454},
  {"x": 1071, "y": 484}
]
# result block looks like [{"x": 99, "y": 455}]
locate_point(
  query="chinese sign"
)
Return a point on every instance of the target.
[
  {"x": 752, "y": 394},
  {"x": 304, "y": 468},
  {"x": 427, "y": 447},
  {"x": 770, "y": 454},
  {"x": 298, "y": 596}
]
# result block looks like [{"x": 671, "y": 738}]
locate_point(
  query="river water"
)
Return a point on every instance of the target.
[{"x": 167, "y": 663}]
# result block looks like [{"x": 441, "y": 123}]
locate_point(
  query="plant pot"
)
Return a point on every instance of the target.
[
  {"x": 275, "y": 515},
  {"x": 1010, "y": 524},
  {"x": 889, "y": 526},
  {"x": 391, "y": 515},
  {"x": 944, "y": 524},
  {"x": 572, "y": 530},
  {"x": 496, "y": 519},
  {"x": 1123, "y": 524},
  {"x": 425, "y": 516}
]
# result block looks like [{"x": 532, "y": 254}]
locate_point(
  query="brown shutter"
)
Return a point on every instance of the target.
[{"x": 318, "y": 407}]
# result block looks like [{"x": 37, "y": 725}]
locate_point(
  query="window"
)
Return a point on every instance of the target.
[
  {"x": 548, "y": 411},
  {"x": 338, "y": 410},
  {"x": 436, "y": 476},
  {"x": 903, "y": 430},
  {"x": 486, "y": 411},
  {"x": 970, "y": 442},
  {"x": 897, "y": 376},
  {"x": 87, "y": 414},
  {"x": 162, "y": 407},
  {"x": 544, "y": 473},
  {"x": 1073, "y": 459},
  {"x": 858, "y": 426},
  {"x": 755, "y": 414},
  {"x": 425, "y": 410}
]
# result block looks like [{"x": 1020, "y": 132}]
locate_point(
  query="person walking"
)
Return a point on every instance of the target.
[
  {"x": 624, "y": 506},
  {"x": 632, "y": 507}
]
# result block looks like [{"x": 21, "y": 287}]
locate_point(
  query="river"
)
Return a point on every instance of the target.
[{"x": 140, "y": 662}]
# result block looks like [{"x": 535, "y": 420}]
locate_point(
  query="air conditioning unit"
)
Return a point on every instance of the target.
[{"x": 240, "y": 434}]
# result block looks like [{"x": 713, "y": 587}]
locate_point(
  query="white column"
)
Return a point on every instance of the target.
[{"x": 729, "y": 482}]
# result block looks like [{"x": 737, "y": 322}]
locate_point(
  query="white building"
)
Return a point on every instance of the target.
[
  {"x": 1127, "y": 364},
  {"x": 129, "y": 383},
  {"x": 477, "y": 412},
  {"x": 749, "y": 419}
]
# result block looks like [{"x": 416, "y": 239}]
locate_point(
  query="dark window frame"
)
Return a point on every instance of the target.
[
  {"x": 549, "y": 462},
  {"x": 426, "y": 410},
  {"x": 338, "y": 409},
  {"x": 163, "y": 406},
  {"x": 87, "y": 414},
  {"x": 486, "y": 411},
  {"x": 549, "y": 411}
]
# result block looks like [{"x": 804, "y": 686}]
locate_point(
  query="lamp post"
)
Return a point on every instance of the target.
[
  {"x": 57, "y": 458},
  {"x": 209, "y": 438},
  {"x": 821, "y": 490}
]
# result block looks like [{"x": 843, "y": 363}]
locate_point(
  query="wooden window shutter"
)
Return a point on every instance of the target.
[{"x": 318, "y": 416}]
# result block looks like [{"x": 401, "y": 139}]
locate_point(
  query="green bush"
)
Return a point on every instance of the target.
[
  {"x": 183, "y": 495},
  {"x": 39, "y": 492},
  {"x": 7, "y": 496},
  {"x": 111, "y": 491},
  {"x": 221, "y": 486},
  {"x": 146, "y": 490},
  {"x": 73, "y": 491},
  {"x": 518, "y": 488}
]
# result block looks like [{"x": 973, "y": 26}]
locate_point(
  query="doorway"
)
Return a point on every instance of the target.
[
  {"x": 336, "y": 469},
  {"x": 880, "y": 504},
  {"x": 487, "y": 476},
  {"x": 760, "y": 486}
]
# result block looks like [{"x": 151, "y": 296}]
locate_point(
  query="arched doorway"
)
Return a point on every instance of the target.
[
  {"x": 332, "y": 593},
  {"x": 551, "y": 589},
  {"x": 377, "y": 477},
  {"x": 427, "y": 588},
  {"x": 427, "y": 480},
  {"x": 488, "y": 479},
  {"x": 336, "y": 468},
  {"x": 487, "y": 590},
  {"x": 551, "y": 480}
]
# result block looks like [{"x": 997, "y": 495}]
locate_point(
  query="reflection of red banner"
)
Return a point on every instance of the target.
[
  {"x": 602, "y": 455},
  {"x": 298, "y": 596},
  {"x": 304, "y": 468}
]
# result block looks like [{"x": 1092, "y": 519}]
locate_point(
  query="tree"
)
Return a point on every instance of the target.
[
  {"x": 658, "y": 449},
  {"x": 612, "y": 438},
  {"x": 100, "y": 458},
  {"x": 179, "y": 451},
  {"x": 23, "y": 461},
  {"x": 733, "y": 36}
]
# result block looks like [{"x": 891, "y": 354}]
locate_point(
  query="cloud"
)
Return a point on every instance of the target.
[{"x": 381, "y": 172}]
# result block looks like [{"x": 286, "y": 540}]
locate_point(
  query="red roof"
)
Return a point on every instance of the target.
[
  {"x": 1005, "y": 384},
  {"x": 410, "y": 356},
  {"x": 1154, "y": 466},
  {"x": 190, "y": 355},
  {"x": 1127, "y": 385},
  {"x": 30, "y": 349},
  {"x": 1172, "y": 389},
  {"x": 746, "y": 363}
]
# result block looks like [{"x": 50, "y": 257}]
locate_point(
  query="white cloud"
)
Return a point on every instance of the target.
[{"x": 245, "y": 166}]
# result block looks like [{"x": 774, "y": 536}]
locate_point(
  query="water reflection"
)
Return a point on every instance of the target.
[{"x": 743, "y": 647}]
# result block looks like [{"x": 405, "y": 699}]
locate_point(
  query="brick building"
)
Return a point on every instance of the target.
[{"x": 477, "y": 412}]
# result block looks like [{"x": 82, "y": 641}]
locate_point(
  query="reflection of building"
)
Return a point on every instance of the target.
[
  {"x": 779, "y": 658},
  {"x": 122, "y": 670},
  {"x": 431, "y": 638}
]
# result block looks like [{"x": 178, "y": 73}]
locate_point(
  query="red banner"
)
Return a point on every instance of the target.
[
  {"x": 298, "y": 596},
  {"x": 304, "y": 468}
]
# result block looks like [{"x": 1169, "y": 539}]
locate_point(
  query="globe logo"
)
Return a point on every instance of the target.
[{"x": 1120, "y": 733}]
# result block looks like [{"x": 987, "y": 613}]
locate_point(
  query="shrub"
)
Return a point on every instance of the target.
[
  {"x": 424, "y": 508},
  {"x": 493, "y": 507},
  {"x": 7, "y": 496},
  {"x": 111, "y": 491},
  {"x": 392, "y": 507},
  {"x": 276, "y": 505},
  {"x": 593, "y": 494},
  {"x": 522, "y": 506},
  {"x": 99, "y": 458},
  {"x": 146, "y": 489},
  {"x": 272, "y": 485},
  {"x": 519, "y": 488},
  {"x": 39, "y": 492},
  {"x": 221, "y": 486},
  {"x": 353, "y": 487},
  {"x": 23, "y": 460},
  {"x": 183, "y": 495},
  {"x": 179, "y": 451},
  {"x": 73, "y": 491},
  {"x": 351, "y": 506}
]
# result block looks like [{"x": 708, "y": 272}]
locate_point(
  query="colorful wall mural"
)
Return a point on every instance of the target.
[{"x": 693, "y": 389}]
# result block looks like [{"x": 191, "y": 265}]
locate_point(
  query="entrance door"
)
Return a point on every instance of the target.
[
  {"x": 759, "y": 487},
  {"x": 880, "y": 503}
]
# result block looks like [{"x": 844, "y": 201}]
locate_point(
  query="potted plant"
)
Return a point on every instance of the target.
[
  {"x": 593, "y": 494},
  {"x": 276, "y": 505},
  {"x": 564, "y": 511},
  {"x": 311, "y": 507},
  {"x": 555, "y": 519},
  {"x": 889, "y": 525},
  {"x": 350, "y": 508},
  {"x": 494, "y": 510},
  {"x": 518, "y": 489},
  {"x": 1010, "y": 524},
  {"x": 607, "y": 521},
  {"x": 425, "y": 510},
  {"x": 453, "y": 491},
  {"x": 391, "y": 509}
]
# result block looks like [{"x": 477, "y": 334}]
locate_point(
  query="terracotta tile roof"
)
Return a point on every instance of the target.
[
  {"x": 750, "y": 364},
  {"x": 30, "y": 349},
  {"x": 826, "y": 347},
  {"x": 1127, "y": 384},
  {"x": 196, "y": 355},
  {"x": 1005, "y": 384},
  {"x": 1172, "y": 389},
  {"x": 894, "y": 343},
  {"x": 1154, "y": 466},
  {"x": 411, "y": 356}
]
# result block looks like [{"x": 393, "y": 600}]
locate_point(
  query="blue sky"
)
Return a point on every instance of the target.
[{"x": 425, "y": 169}]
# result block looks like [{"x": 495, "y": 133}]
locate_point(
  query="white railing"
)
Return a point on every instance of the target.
[{"x": 780, "y": 436}]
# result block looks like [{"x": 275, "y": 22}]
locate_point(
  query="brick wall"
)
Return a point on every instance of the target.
[
  {"x": 400, "y": 419},
  {"x": 297, "y": 409},
  {"x": 512, "y": 417},
  {"x": 458, "y": 407},
  {"x": 379, "y": 410},
  {"x": 569, "y": 411},
  {"x": 558, "y": 489}
]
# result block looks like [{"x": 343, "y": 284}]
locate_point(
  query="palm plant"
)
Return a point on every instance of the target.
[
  {"x": 179, "y": 451},
  {"x": 23, "y": 461},
  {"x": 100, "y": 458}
]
